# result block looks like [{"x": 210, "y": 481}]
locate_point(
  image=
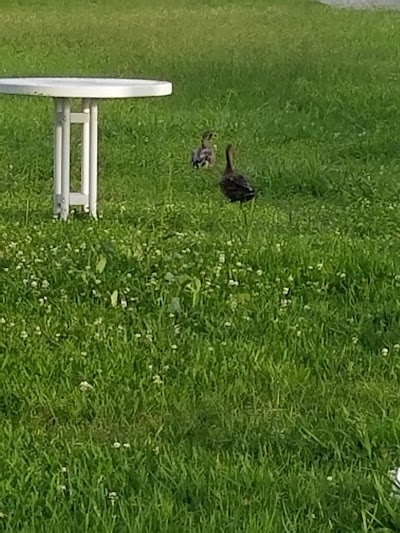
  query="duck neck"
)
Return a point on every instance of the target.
[{"x": 228, "y": 161}]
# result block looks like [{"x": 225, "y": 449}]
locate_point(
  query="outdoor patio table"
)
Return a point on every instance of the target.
[{"x": 90, "y": 90}]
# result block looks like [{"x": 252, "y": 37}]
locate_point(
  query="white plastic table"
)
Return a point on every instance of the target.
[{"x": 90, "y": 90}]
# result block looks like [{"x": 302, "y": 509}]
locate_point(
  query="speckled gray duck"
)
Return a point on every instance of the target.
[{"x": 204, "y": 156}]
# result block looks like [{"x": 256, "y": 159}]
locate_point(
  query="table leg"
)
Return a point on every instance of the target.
[
  {"x": 85, "y": 161},
  {"x": 65, "y": 167},
  {"x": 57, "y": 154},
  {"x": 93, "y": 159}
]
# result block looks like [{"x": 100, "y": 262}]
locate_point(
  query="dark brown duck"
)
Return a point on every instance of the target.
[{"x": 236, "y": 188}]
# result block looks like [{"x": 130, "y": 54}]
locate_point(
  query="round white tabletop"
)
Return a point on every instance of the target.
[{"x": 85, "y": 87}]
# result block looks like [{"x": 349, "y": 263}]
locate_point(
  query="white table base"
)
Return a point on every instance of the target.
[{"x": 63, "y": 197}]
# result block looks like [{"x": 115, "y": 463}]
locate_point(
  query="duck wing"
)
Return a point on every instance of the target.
[
  {"x": 237, "y": 187},
  {"x": 203, "y": 158},
  {"x": 196, "y": 159}
]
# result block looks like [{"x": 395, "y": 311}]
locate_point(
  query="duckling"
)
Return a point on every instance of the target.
[
  {"x": 204, "y": 157},
  {"x": 236, "y": 188}
]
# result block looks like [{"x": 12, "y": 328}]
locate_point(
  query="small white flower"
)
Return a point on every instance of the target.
[
  {"x": 24, "y": 334},
  {"x": 221, "y": 258},
  {"x": 259, "y": 272},
  {"x": 307, "y": 307},
  {"x": 117, "y": 445},
  {"x": 85, "y": 386},
  {"x": 138, "y": 335},
  {"x": 396, "y": 347},
  {"x": 239, "y": 264},
  {"x": 329, "y": 478},
  {"x": 64, "y": 469},
  {"x": 385, "y": 351},
  {"x": 320, "y": 266},
  {"x": 354, "y": 340},
  {"x": 174, "y": 346},
  {"x": 285, "y": 291},
  {"x": 228, "y": 324},
  {"x": 290, "y": 278},
  {"x": 127, "y": 445},
  {"x": 113, "y": 496},
  {"x": 157, "y": 380},
  {"x": 233, "y": 283},
  {"x": 45, "y": 284},
  {"x": 61, "y": 488},
  {"x": 124, "y": 304},
  {"x": 156, "y": 450},
  {"x": 34, "y": 284}
]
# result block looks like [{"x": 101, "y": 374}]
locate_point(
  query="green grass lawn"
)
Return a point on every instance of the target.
[{"x": 240, "y": 377}]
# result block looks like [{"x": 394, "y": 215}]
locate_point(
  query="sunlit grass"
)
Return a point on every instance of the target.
[{"x": 168, "y": 368}]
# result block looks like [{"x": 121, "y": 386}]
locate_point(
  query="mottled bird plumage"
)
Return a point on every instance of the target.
[
  {"x": 204, "y": 156},
  {"x": 235, "y": 186}
]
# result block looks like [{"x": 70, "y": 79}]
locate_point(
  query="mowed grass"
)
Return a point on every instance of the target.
[{"x": 240, "y": 377}]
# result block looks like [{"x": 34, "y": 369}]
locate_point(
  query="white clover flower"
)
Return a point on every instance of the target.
[
  {"x": 157, "y": 380},
  {"x": 117, "y": 445},
  {"x": 385, "y": 351},
  {"x": 285, "y": 291},
  {"x": 85, "y": 386},
  {"x": 221, "y": 258},
  {"x": 259, "y": 272}
]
